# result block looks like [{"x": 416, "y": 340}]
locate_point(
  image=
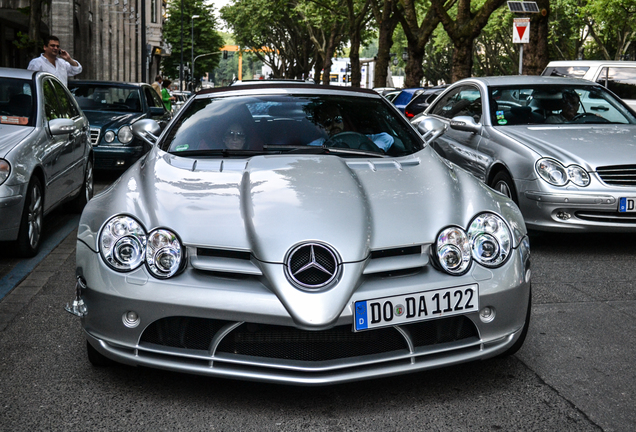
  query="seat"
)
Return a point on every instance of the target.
[{"x": 20, "y": 105}]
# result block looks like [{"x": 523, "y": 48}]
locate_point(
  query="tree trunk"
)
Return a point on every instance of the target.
[
  {"x": 35, "y": 18},
  {"x": 413, "y": 70},
  {"x": 387, "y": 20},
  {"x": 462, "y": 60},
  {"x": 535, "y": 54}
]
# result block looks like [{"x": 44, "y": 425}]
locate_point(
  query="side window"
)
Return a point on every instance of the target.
[
  {"x": 152, "y": 97},
  {"x": 67, "y": 105},
  {"x": 464, "y": 100},
  {"x": 620, "y": 80},
  {"x": 51, "y": 106}
]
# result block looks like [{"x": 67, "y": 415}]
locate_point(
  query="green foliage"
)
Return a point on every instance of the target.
[{"x": 206, "y": 38}]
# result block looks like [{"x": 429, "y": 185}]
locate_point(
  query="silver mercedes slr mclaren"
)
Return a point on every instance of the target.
[{"x": 299, "y": 234}]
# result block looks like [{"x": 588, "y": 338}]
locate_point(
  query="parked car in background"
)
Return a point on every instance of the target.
[
  {"x": 405, "y": 96},
  {"x": 419, "y": 103},
  {"x": 561, "y": 148},
  {"x": 391, "y": 94},
  {"x": 618, "y": 76},
  {"x": 46, "y": 157},
  {"x": 181, "y": 98},
  {"x": 112, "y": 108},
  {"x": 302, "y": 234}
]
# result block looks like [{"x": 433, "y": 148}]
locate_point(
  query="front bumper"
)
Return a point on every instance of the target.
[
  {"x": 117, "y": 157},
  {"x": 236, "y": 327},
  {"x": 11, "y": 206}
]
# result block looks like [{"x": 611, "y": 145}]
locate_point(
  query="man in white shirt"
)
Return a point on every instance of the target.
[{"x": 62, "y": 66}]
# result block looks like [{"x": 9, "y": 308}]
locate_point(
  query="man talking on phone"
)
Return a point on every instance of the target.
[{"x": 56, "y": 61}]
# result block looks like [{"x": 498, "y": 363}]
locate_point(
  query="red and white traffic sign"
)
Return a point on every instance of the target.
[{"x": 521, "y": 30}]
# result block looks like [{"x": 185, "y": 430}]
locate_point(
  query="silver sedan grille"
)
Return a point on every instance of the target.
[{"x": 618, "y": 175}]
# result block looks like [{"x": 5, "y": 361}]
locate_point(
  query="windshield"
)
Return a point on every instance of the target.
[
  {"x": 16, "y": 102},
  {"x": 285, "y": 123},
  {"x": 106, "y": 98},
  {"x": 549, "y": 104}
]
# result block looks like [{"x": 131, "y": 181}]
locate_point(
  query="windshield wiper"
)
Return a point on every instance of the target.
[
  {"x": 309, "y": 149},
  {"x": 216, "y": 152}
]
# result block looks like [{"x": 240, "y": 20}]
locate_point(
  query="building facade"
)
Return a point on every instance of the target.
[{"x": 105, "y": 36}]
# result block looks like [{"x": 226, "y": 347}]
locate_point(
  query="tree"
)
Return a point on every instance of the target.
[
  {"x": 463, "y": 30},
  {"x": 612, "y": 25},
  {"x": 206, "y": 38},
  {"x": 387, "y": 17},
  {"x": 535, "y": 56},
  {"x": 358, "y": 15}
]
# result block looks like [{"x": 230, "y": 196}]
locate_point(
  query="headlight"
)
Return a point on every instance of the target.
[
  {"x": 556, "y": 174},
  {"x": 163, "y": 253},
  {"x": 490, "y": 240},
  {"x": 453, "y": 250},
  {"x": 5, "y": 170},
  {"x": 125, "y": 135},
  {"x": 109, "y": 136},
  {"x": 122, "y": 243}
]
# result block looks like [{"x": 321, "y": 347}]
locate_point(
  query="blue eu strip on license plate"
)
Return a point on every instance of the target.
[
  {"x": 407, "y": 308},
  {"x": 626, "y": 205}
]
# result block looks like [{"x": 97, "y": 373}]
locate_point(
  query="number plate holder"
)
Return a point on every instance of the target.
[
  {"x": 626, "y": 205},
  {"x": 415, "y": 307}
]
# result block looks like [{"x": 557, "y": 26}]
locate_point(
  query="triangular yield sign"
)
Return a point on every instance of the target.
[{"x": 521, "y": 30}]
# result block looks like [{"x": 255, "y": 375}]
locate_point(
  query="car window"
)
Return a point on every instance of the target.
[
  {"x": 548, "y": 104},
  {"x": 283, "y": 122},
  {"x": 152, "y": 97},
  {"x": 105, "y": 97},
  {"x": 67, "y": 106},
  {"x": 51, "y": 105},
  {"x": 620, "y": 80},
  {"x": 463, "y": 100},
  {"x": 566, "y": 71},
  {"x": 17, "y": 105}
]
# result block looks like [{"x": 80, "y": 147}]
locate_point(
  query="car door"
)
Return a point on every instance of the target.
[
  {"x": 156, "y": 109},
  {"x": 458, "y": 146}
]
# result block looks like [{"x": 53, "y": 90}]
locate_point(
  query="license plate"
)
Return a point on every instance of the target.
[
  {"x": 404, "y": 309},
  {"x": 626, "y": 205}
]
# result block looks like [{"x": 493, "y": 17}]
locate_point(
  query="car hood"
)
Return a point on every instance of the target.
[
  {"x": 11, "y": 135},
  {"x": 111, "y": 119},
  {"x": 588, "y": 145}
]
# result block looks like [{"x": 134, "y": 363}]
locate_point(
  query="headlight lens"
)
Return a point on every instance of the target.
[
  {"x": 122, "y": 243},
  {"x": 163, "y": 253},
  {"x": 556, "y": 174},
  {"x": 125, "y": 135},
  {"x": 490, "y": 240},
  {"x": 109, "y": 136},
  {"x": 5, "y": 170},
  {"x": 453, "y": 250}
]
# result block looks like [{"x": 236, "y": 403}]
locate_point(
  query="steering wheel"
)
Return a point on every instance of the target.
[
  {"x": 594, "y": 118},
  {"x": 352, "y": 140}
]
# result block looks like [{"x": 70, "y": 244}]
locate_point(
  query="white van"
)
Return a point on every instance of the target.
[{"x": 617, "y": 76}]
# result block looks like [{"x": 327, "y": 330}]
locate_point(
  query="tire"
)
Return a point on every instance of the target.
[
  {"x": 502, "y": 183},
  {"x": 522, "y": 337},
  {"x": 86, "y": 192},
  {"x": 96, "y": 358},
  {"x": 30, "y": 233}
]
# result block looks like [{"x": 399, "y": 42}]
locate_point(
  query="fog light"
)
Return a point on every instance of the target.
[
  {"x": 120, "y": 163},
  {"x": 131, "y": 319},
  {"x": 563, "y": 215},
  {"x": 487, "y": 314}
]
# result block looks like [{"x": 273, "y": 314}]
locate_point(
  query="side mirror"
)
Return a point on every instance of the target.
[
  {"x": 157, "y": 111},
  {"x": 431, "y": 128},
  {"x": 147, "y": 130},
  {"x": 61, "y": 126},
  {"x": 466, "y": 124}
]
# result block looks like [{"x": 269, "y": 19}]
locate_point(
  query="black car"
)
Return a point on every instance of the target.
[
  {"x": 112, "y": 108},
  {"x": 422, "y": 100}
]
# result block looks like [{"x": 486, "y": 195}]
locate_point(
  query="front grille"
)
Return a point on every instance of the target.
[
  {"x": 290, "y": 343},
  {"x": 618, "y": 175},
  {"x": 607, "y": 217},
  {"x": 95, "y": 132}
]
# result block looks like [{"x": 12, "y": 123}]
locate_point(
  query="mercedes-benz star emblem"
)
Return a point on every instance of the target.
[{"x": 312, "y": 265}]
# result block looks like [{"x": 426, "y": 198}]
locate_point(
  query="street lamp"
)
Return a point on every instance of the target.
[{"x": 192, "y": 52}]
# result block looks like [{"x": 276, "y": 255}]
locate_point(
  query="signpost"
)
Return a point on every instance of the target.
[{"x": 521, "y": 26}]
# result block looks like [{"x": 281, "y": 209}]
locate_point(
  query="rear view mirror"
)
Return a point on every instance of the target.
[
  {"x": 431, "y": 128},
  {"x": 466, "y": 124},
  {"x": 147, "y": 130},
  {"x": 61, "y": 126}
]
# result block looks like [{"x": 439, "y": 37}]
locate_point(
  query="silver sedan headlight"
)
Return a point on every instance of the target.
[
  {"x": 122, "y": 243},
  {"x": 556, "y": 174},
  {"x": 125, "y": 134},
  {"x": 5, "y": 170},
  {"x": 163, "y": 253},
  {"x": 488, "y": 241}
]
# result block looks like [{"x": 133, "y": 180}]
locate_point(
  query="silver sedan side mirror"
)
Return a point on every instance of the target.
[
  {"x": 466, "y": 124},
  {"x": 147, "y": 130},
  {"x": 431, "y": 128},
  {"x": 61, "y": 126}
]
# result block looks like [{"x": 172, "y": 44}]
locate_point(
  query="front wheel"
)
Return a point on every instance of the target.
[
  {"x": 502, "y": 183},
  {"x": 30, "y": 232}
]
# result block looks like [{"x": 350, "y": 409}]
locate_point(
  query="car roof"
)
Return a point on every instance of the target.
[
  {"x": 289, "y": 88},
  {"x": 16, "y": 73},
  {"x": 591, "y": 63},
  {"x": 511, "y": 80},
  {"x": 106, "y": 83}
]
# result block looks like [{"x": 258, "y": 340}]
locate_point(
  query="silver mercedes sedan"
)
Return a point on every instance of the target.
[
  {"x": 563, "y": 149},
  {"x": 298, "y": 234},
  {"x": 45, "y": 155}
]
